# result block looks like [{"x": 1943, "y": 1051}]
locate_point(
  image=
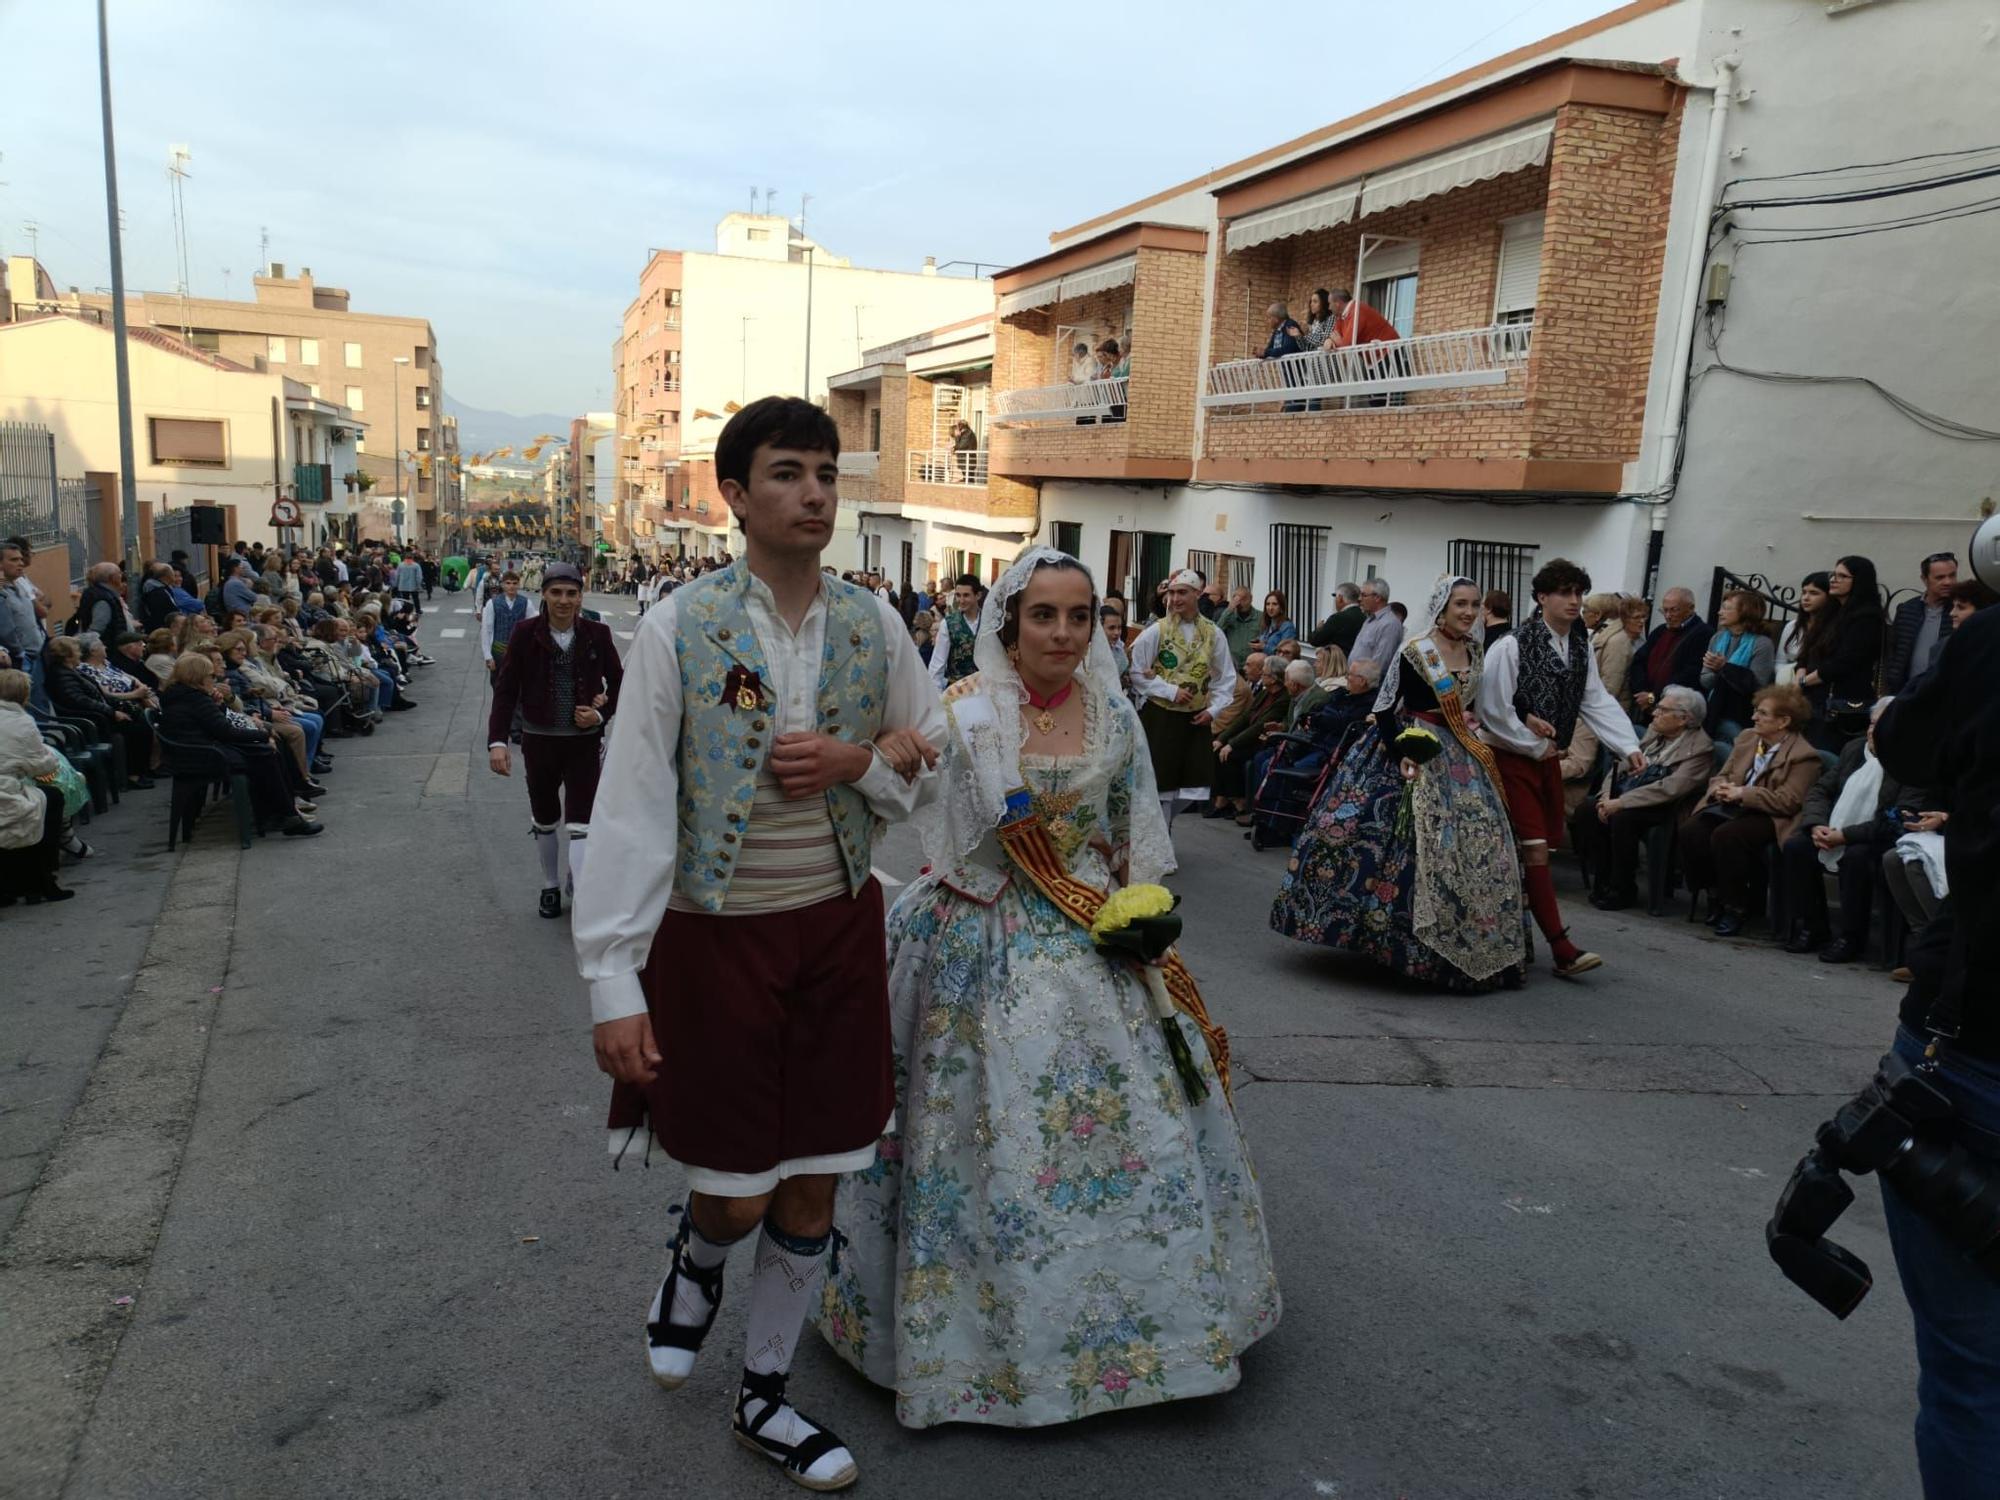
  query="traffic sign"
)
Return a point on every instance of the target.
[{"x": 285, "y": 512}]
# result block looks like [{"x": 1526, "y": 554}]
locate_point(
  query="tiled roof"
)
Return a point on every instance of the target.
[{"x": 154, "y": 337}]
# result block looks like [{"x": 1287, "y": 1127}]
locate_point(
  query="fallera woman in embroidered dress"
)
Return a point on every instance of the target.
[
  {"x": 1052, "y": 1229},
  {"x": 1436, "y": 895}
]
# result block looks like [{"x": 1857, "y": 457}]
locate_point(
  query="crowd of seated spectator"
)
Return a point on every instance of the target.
[{"x": 288, "y": 653}]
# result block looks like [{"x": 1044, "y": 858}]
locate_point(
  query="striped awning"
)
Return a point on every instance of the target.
[
  {"x": 1120, "y": 272},
  {"x": 1477, "y": 161}
]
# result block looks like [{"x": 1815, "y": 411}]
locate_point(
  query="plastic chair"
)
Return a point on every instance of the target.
[
  {"x": 196, "y": 768},
  {"x": 93, "y": 762}
]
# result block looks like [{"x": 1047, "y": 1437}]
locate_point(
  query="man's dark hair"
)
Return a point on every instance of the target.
[
  {"x": 772, "y": 421},
  {"x": 1558, "y": 576},
  {"x": 967, "y": 581},
  {"x": 1498, "y": 602}
]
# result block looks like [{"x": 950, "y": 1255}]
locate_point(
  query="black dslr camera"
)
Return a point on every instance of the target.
[{"x": 1900, "y": 1126}]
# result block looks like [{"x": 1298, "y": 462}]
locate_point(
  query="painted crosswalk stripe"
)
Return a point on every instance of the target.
[
  {"x": 451, "y": 635},
  {"x": 626, "y": 635},
  {"x": 461, "y": 611}
]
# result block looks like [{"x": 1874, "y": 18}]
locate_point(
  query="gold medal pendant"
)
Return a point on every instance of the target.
[
  {"x": 746, "y": 698},
  {"x": 1044, "y": 722}
]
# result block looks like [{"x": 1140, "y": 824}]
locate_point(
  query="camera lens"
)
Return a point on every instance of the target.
[{"x": 1955, "y": 1190}]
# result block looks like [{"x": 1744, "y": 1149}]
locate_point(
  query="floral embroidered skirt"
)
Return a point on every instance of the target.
[
  {"x": 1357, "y": 883},
  {"x": 1052, "y": 1230}
]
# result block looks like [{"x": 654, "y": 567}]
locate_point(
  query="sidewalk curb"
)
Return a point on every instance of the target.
[{"x": 86, "y": 1233}]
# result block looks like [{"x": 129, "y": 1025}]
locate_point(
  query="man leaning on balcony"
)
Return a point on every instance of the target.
[{"x": 1356, "y": 323}]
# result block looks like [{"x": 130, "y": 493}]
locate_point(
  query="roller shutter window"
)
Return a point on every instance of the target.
[
  {"x": 1520, "y": 273},
  {"x": 180, "y": 440}
]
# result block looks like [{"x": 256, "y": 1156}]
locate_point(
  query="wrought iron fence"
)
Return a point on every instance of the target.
[
  {"x": 38, "y": 506},
  {"x": 173, "y": 531}
]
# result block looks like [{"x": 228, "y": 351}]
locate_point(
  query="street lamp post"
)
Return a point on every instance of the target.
[{"x": 396, "y": 410}]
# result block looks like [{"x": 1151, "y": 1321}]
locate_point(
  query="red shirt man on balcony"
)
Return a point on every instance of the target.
[{"x": 1358, "y": 323}]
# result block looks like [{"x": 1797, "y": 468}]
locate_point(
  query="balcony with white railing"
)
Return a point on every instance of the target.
[
  {"x": 949, "y": 466},
  {"x": 1089, "y": 399},
  {"x": 1481, "y": 363}
]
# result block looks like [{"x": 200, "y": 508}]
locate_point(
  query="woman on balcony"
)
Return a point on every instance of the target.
[
  {"x": 1411, "y": 863},
  {"x": 1277, "y": 626}
]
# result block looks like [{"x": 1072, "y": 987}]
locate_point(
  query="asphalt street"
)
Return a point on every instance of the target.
[{"x": 326, "y": 1113}]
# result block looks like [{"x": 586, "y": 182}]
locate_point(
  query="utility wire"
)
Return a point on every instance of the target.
[{"x": 1862, "y": 168}]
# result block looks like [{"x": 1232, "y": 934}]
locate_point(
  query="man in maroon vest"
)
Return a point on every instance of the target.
[{"x": 562, "y": 672}]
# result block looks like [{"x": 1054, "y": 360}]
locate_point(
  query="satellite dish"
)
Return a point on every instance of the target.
[{"x": 1984, "y": 552}]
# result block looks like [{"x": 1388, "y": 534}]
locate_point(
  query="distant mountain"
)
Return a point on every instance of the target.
[{"x": 481, "y": 431}]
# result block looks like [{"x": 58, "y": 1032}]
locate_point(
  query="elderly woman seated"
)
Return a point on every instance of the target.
[
  {"x": 247, "y": 698},
  {"x": 30, "y": 809},
  {"x": 1751, "y": 806},
  {"x": 1237, "y": 745},
  {"x": 1850, "y": 823},
  {"x": 193, "y": 718},
  {"x": 1741, "y": 658},
  {"x": 76, "y": 695},
  {"x": 269, "y": 680},
  {"x": 1608, "y": 829},
  {"x": 120, "y": 674}
]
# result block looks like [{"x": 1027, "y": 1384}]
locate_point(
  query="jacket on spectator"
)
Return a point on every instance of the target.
[
  {"x": 99, "y": 608},
  {"x": 157, "y": 605},
  {"x": 1781, "y": 791},
  {"x": 23, "y": 757},
  {"x": 527, "y": 674},
  {"x": 238, "y": 592},
  {"x": 1614, "y": 660},
  {"x": 1732, "y": 686},
  {"x": 1339, "y": 629},
  {"x": 77, "y": 696},
  {"x": 1683, "y": 662},
  {"x": 1690, "y": 757},
  {"x": 1267, "y": 706},
  {"x": 1847, "y": 669},
  {"x": 1903, "y": 632},
  {"x": 188, "y": 715},
  {"x": 1877, "y": 830}
]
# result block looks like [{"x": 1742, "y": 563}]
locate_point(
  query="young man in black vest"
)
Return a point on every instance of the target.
[
  {"x": 563, "y": 672},
  {"x": 1540, "y": 679}
]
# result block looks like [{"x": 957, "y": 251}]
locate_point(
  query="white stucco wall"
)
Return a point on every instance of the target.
[
  {"x": 1781, "y": 479},
  {"x": 1413, "y": 535},
  {"x": 724, "y": 360}
]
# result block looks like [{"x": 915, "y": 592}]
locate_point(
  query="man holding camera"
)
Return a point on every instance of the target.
[{"x": 1945, "y": 731}]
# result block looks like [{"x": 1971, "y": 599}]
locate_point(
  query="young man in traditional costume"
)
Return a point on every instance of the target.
[
  {"x": 729, "y": 922},
  {"x": 1182, "y": 671},
  {"x": 562, "y": 673},
  {"x": 1540, "y": 679},
  {"x": 951, "y": 658}
]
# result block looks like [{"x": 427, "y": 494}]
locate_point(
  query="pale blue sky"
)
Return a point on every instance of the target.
[{"x": 502, "y": 168}]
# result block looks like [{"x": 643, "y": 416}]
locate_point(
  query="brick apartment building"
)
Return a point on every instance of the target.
[
  {"x": 311, "y": 334},
  {"x": 1537, "y": 231}
]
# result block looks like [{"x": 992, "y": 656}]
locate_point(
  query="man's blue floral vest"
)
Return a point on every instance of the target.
[{"x": 724, "y": 743}]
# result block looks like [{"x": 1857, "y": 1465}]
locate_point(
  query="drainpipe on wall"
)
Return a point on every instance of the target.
[{"x": 1669, "y": 447}]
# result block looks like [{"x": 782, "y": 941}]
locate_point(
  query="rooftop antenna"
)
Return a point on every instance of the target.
[
  {"x": 34, "y": 232},
  {"x": 770, "y": 197},
  {"x": 263, "y": 251},
  {"x": 225, "y": 283},
  {"x": 178, "y": 158},
  {"x": 753, "y": 200}
]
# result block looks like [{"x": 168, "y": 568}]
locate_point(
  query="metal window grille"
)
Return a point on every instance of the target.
[
  {"x": 1068, "y": 537},
  {"x": 1298, "y": 561},
  {"x": 1235, "y": 572},
  {"x": 1507, "y": 566},
  {"x": 36, "y": 505}
]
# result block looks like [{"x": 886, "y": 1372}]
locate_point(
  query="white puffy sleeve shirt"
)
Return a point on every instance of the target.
[{"x": 629, "y": 877}]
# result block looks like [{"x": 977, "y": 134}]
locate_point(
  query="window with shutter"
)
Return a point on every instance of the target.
[
  {"x": 1520, "y": 273},
  {"x": 179, "y": 440}
]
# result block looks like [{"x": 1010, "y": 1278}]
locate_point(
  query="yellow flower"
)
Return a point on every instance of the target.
[
  {"x": 1135, "y": 902},
  {"x": 1084, "y": 1372},
  {"x": 1144, "y": 1360}
]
